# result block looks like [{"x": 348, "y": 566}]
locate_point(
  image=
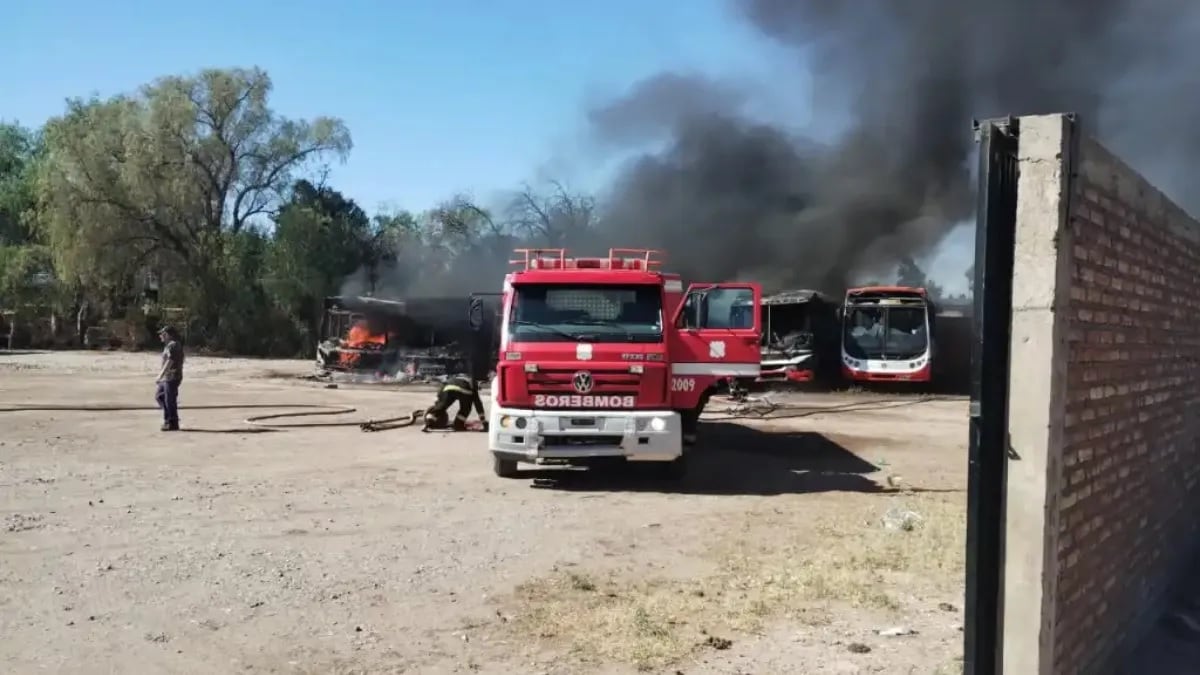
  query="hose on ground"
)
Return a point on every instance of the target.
[
  {"x": 748, "y": 408},
  {"x": 392, "y": 422},
  {"x": 257, "y": 421},
  {"x": 763, "y": 408}
]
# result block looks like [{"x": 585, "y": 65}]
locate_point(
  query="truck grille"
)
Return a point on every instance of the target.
[
  {"x": 560, "y": 381},
  {"x": 579, "y": 441}
]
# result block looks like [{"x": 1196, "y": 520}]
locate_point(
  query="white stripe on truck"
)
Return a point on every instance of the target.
[{"x": 717, "y": 369}]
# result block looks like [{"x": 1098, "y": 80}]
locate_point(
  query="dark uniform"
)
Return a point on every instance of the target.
[{"x": 459, "y": 389}]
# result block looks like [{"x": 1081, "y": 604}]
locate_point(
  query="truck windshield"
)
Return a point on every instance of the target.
[
  {"x": 885, "y": 333},
  {"x": 586, "y": 313}
]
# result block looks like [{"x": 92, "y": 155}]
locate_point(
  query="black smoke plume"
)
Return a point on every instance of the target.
[{"x": 731, "y": 197}]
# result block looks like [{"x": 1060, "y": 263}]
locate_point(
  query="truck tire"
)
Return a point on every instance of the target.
[{"x": 504, "y": 468}]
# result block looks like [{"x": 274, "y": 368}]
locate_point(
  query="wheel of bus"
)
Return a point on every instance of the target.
[{"x": 504, "y": 468}]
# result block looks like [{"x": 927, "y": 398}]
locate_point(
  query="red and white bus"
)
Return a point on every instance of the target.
[{"x": 887, "y": 334}]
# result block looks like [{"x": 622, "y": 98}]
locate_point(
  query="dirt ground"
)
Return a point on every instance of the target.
[{"x": 827, "y": 542}]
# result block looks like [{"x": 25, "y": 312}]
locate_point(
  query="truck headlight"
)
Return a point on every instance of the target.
[
  {"x": 658, "y": 424},
  {"x": 518, "y": 422}
]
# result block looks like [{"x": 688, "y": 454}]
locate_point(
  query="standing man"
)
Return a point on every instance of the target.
[{"x": 170, "y": 376}]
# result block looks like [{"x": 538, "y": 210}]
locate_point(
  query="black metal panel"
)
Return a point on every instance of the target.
[
  {"x": 483, "y": 320},
  {"x": 995, "y": 229}
]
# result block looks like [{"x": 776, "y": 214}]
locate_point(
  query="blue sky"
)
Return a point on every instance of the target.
[{"x": 440, "y": 96}]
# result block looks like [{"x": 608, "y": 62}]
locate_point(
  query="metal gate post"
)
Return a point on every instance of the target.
[{"x": 995, "y": 227}]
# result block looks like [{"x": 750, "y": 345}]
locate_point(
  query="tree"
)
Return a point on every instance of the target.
[
  {"x": 390, "y": 235},
  {"x": 321, "y": 238},
  {"x": 970, "y": 274},
  {"x": 551, "y": 219},
  {"x": 910, "y": 273},
  {"x": 457, "y": 240},
  {"x": 458, "y": 223},
  {"x": 26, "y": 281},
  {"x": 20, "y": 150},
  {"x": 172, "y": 175}
]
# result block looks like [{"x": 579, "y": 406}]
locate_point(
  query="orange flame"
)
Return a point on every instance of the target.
[{"x": 359, "y": 337}]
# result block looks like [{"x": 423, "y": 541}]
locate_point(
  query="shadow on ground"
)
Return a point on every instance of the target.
[
  {"x": 733, "y": 459},
  {"x": 1173, "y": 645}
]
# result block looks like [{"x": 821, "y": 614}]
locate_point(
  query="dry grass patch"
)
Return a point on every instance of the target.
[{"x": 777, "y": 565}]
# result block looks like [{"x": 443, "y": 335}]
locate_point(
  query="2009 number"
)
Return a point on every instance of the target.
[{"x": 683, "y": 384}]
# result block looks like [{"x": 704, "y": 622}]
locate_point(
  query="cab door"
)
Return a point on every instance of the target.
[{"x": 716, "y": 334}]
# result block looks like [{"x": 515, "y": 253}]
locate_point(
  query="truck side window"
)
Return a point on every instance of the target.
[{"x": 728, "y": 308}]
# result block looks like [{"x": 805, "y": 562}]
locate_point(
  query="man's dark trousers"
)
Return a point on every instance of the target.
[{"x": 167, "y": 397}]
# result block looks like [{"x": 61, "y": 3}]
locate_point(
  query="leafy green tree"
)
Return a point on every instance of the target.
[
  {"x": 170, "y": 177},
  {"x": 20, "y": 149},
  {"x": 27, "y": 282},
  {"x": 320, "y": 239}
]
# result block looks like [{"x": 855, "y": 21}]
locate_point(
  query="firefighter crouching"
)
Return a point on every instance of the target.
[{"x": 459, "y": 389}]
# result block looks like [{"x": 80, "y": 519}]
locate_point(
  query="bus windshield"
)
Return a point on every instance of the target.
[
  {"x": 586, "y": 313},
  {"x": 885, "y": 333}
]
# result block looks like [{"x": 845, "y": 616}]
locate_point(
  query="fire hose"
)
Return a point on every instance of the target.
[
  {"x": 258, "y": 421},
  {"x": 748, "y": 408},
  {"x": 763, "y": 408}
]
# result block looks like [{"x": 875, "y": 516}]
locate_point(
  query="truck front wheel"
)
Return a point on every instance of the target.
[{"x": 504, "y": 468}]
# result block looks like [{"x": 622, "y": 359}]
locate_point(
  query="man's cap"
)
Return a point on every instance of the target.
[{"x": 166, "y": 330}]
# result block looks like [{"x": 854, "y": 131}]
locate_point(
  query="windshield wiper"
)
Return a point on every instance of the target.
[
  {"x": 557, "y": 331},
  {"x": 629, "y": 337}
]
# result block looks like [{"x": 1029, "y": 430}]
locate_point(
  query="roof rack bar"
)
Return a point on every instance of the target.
[
  {"x": 648, "y": 256},
  {"x": 618, "y": 258},
  {"x": 534, "y": 254}
]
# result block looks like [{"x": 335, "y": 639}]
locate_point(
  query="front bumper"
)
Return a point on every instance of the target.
[{"x": 635, "y": 435}]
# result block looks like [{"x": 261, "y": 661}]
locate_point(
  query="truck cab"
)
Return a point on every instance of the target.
[{"x": 606, "y": 359}]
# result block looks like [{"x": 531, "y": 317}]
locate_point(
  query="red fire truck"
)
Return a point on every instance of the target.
[
  {"x": 887, "y": 334},
  {"x": 609, "y": 359}
]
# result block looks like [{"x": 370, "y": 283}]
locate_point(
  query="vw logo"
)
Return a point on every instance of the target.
[{"x": 582, "y": 381}]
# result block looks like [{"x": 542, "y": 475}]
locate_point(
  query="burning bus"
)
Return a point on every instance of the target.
[
  {"x": 410, "y": 339},
  {"x": 886, "y": 334},
  {"x": 799, "y": 338}
]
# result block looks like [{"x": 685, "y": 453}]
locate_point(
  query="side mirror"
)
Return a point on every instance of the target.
[
  {"x": 475, "y": 314},
  {"x": 693, "y": 302}
]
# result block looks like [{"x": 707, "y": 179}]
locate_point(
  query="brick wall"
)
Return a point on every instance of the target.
[{"x": 1128, "y": 499}]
